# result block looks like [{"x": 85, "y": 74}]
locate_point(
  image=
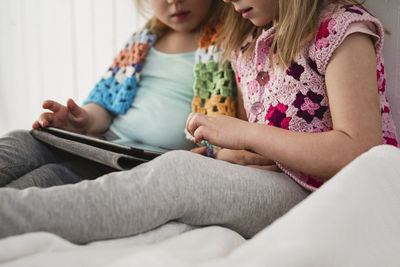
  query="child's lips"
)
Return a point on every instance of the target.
[
  {"x": 245, "y": 12},
  {"x": 180, "y": 15}
]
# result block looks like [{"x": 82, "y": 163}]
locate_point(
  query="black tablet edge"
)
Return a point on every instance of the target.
[{"x": 104, "y": 144}]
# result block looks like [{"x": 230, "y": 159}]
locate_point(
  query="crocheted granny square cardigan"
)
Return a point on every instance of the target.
[
  {"x": 296, "y": 98},
  {"x": 214, "y": 84}
]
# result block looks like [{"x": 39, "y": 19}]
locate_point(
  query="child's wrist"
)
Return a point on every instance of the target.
[{"x": 248, "y": 136}]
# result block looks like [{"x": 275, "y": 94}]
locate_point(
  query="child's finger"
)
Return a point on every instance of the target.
[
  {"x": 46, "y": 119},
  {"x": 195, "y": 120},
  {"x": 189, "y": 118},
  {"x": 35, "y": 125},
  {"x": 189, "y": 122},
  {"x": 201, "y": 134},
  {"x": 51, "y": 105}
]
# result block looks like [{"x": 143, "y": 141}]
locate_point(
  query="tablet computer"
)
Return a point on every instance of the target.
[{"x": 138, "y": 152}]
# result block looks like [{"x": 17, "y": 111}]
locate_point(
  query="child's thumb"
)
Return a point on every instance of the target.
[{"x": 74, "y": 108}]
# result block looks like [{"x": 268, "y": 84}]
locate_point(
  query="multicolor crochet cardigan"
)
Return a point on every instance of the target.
[
  {"x": 296, "y": 98},
  {"x": 214, "y": 85}
]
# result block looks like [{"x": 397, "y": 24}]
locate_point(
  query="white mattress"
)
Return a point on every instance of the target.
[{"x": 353, "y": 220}]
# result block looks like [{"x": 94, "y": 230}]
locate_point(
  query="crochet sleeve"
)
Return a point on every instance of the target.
[
  {"x": 117, "y": 88},
  {"x": 334, "y": 28}
]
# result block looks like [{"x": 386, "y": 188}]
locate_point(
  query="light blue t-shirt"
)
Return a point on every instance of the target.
[{"x": 157, "y": 116}]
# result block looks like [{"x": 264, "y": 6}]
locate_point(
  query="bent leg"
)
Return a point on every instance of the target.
[
  {"x": 176, "y": 186},
  {"x": 53, "y": 174},
  {"x": 241, "y": 198},
  {"x": 26, "y": 162},
  {"x": 21, "y": 153}
]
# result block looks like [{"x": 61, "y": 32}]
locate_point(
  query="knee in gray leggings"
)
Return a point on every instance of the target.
[
  {"x": 169, "y": 173},
  {"x": 178, "y": 156},
  {"x": 175, "y": 164},
  {"x": 169, "y": 165}
]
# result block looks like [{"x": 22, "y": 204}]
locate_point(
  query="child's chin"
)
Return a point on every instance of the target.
[{"x": 259, "y": 22}]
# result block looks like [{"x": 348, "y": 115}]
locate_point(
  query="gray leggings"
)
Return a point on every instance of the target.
[
  {"x": 178, "y": 185},
  {"x": 26, "y": 162}
]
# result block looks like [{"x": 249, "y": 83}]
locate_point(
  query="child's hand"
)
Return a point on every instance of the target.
[
  {"x": 247, "y": 158},
  {"x": 71, "y": 117},
  {"x": 241, "y": 157},
  {"x": 219, "y": 130}
]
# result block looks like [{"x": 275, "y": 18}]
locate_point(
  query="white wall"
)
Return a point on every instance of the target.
[
  {"x": 56, "y": 49},
  {"x": 60, "y": 48}
]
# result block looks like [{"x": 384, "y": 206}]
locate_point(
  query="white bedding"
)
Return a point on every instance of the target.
[{"x": 353, "y": 220}]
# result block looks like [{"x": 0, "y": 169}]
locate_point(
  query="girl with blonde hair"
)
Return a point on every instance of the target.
[{"x": 312, "y": 77}]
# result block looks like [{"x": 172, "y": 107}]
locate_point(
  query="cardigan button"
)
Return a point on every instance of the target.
[
  {"x": 256, "y": 108},
  {"x": 262, "y": 78}
]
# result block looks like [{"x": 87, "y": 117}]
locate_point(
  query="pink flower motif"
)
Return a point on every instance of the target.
[
  {"x": 390, "y": 141},
  {"x": 382, "y": 86},
  {"x": 285, "y": 123},
  {"x": 381, "y": 79},
  {"x": 314, "y": 97},
  {"x": 277, "y": 116},
  {"x": 326, "y": 28},
  {"x": 322, "y": 43},
  {"x": 389, "y": 135},
  {"x": 331, "y": 26},
  {"x": 309, "y": 106},
  {"x": 281, "y": 107},
  {"x": 270, "y": 112},
  {"x": 382, "y": 69},
  {"x": 386, "y": 109},
  {"x": 323, "y": 31}
]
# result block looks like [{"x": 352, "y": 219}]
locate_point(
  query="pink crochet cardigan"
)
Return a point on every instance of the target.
[{"x": 296, "y": 99}]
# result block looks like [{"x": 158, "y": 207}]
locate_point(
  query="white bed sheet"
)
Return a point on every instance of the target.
[{"x": 353, "y": 220}]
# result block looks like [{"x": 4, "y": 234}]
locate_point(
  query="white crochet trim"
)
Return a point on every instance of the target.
[
  {"x": 212, "y": 53},
  {"x": 130, "y": 71},
  {"x": 188, "y": 135},
  {"x": 144, "y": 37},
  {"x": 107, "y": 75},
  {"x": 120, "y": 75}
]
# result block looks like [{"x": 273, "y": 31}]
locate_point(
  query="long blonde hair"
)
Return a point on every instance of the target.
[
  {"x": 155, "y": 26},
  {"x": 290, "y": 35}
]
